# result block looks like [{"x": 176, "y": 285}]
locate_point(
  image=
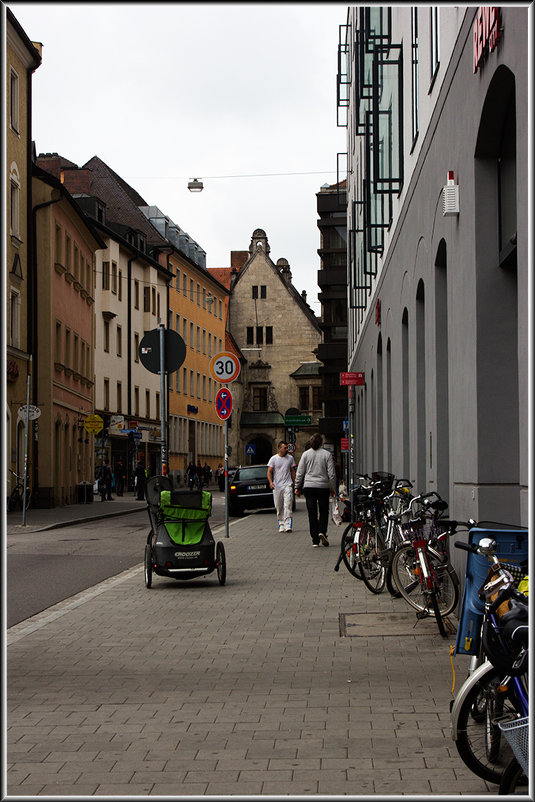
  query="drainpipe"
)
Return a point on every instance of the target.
[{"x": 129, "y": 339}]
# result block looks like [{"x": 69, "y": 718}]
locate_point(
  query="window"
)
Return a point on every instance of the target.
[
  {"x": 191, "y": 289},
  {"x": 101, "y": 209},
  {"x": 58, "y": 349},
  {"x": 250, "y": 335},
  {"x": 414, "y": 83},
  {"x": 14, "y": 318},
  {"x": 263, "y": 291},
  {"x": 304, "y": 398},
  {"x": 269, "y": 335},
  {"x": 106, "y": 393},
  {"x": 59, "y": 245},
  {"x": 76, "y": 261},
  {"x": 260, "y": 399},
  {"x": 316, "y": 403},
  {"x": 147, "y": 403},
  {"x": 254, "y": 291},
  {"x": 89, "y": 283},
  {"x": 203, "y": 298},
  {"x": 192, "y": 384},
  {"x": 158, "y": 313},
  {"x": 75, "y": 353},
  {"x": 435, "y": 55},
  {"x": 105, "y": 271},
  {"x": 185, "y": 380},
  {"x": 114, "y": 278},
  {"x": 177, "y": 284},
  {"x": 136, "y": 347},
  {"x": 177, "y": 324},
  {"x": 185, "y": 330},
  {"x": 136, "y": 294},
  {"x": 14, "y": 200},
  {"x": 120, "y": 287},
  {"x": 204, "y": 388},
  {"x": 146, "y": 299},
  {"x": 204, "y": 341},
  {"x": 184, "y": 285},
  {"x": 199, "y": 339},
  {"x": 259, "y": 335},
  {"x": 136, "y": 400},
  {"x": 191, "y": 336},
  {"x": 153, "y": 295},
  {"x": 68, "y": 256},
  {"x": 209, "y": 345},
  {"x": 107, "y": 335},
  {"x": 119, "y": 397},
  {"x": 220, "y": 311},
  {"x": 198, "y": 385},
  {"x": 14, "y": 101},
  {"x": 67, "y": 348},
  {"x": 198, "y": 294},
  {"x": 119, "y": 341},
  {"x": 158, "y": 415}
]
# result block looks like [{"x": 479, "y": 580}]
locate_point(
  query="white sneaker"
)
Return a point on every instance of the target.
[
  {"x": 287, "y": 530},
  {"x": 323, "y": 539},
  {"x": 315, "y": 545},
  {"x": 281, "y": 529}
]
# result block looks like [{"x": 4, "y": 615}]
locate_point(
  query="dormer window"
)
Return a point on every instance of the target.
[{"x": 100, "y": 212}]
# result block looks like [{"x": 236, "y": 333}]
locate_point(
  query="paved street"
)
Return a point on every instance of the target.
[{"x": 291, "y": 679}]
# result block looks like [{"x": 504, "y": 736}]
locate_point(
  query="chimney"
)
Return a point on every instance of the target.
[
  {"x": 304, "y": 296},
  {"x": 238, "y": 259},
  {"x": 77, "y": 180}
]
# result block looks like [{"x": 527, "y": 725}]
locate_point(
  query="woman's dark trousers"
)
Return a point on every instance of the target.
[{"x": 317, "y": 500}]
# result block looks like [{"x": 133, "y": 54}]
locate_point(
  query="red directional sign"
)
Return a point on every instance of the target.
[{"x": 223, "y": 403}]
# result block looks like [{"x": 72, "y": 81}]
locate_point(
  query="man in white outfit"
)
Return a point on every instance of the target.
[{"x": 281, "y": 477}]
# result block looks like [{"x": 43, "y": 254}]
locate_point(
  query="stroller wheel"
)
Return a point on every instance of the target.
[
  {"x": 221, "y": 563},
  {"x": 148, "y": 566}
]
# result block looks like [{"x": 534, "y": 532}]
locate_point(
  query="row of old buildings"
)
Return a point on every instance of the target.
[{"x": 91, "y": 267}]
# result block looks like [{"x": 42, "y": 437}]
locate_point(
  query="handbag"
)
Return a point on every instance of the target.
[{"x": 335, "y": 512}]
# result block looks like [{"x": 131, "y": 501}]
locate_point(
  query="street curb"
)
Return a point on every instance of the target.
[{"x": 74, "y": 522}]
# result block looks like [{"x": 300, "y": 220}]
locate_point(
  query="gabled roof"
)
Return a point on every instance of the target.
[{"x": 121, "y": 201}]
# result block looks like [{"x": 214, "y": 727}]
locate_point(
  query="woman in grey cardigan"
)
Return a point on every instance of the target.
[{"x": 316, "y": 477}]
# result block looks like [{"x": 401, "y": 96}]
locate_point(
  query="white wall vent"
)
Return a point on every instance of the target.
[{"x": 450, "y": 197}]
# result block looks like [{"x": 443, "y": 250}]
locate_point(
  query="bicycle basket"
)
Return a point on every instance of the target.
[
  {"x": 517, "y": 733},
  {"x": 416, "y": 530}
]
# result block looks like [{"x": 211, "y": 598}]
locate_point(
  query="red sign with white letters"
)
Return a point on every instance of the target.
[{"x": 352, "y": 378}]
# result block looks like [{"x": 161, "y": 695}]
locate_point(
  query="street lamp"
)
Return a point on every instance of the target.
[{"x": 195, "y": 185}]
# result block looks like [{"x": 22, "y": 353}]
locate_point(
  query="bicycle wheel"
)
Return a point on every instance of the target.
[
  {"x": 372, "y": 570},
  {"x": 514, "y": 780},
  {"x": 349, "y": 549},
  {"x": 433, "y": 602},
  {"x": 14, "y": 500},
  {"x": 472, "y": 730},
  {"x": 406, "y": 576},
  {"x": 390, "y": 584},
  {"x": 28, "y": 498}
]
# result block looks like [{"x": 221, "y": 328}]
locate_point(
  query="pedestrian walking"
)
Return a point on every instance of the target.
[
  {"x": 120, "y": 476},
  {"x": 140, "y": 478},
  {"x": 200, "y": 475},
  {"x": 191, "y": 473},
  {"x": 104, "y": 481},
  {"x": 316, "y": 478},
  {"x": 220, "y": 475},
  {"x": 207, "y": 471},
  {"x": 281, "y": 477}
]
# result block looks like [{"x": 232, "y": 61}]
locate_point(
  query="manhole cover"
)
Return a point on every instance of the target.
[{"x": 381, "y": 625}]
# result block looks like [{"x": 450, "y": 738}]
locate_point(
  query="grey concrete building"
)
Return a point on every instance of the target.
[{"x": 435, "y": 100}]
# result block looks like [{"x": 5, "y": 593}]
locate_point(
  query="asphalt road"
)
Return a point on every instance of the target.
[{"x": 44, "y": 568}]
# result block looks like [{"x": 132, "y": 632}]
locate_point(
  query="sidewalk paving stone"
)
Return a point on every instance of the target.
[{"x": 193, "y": 689}]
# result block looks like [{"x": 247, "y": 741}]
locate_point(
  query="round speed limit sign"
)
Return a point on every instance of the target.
[{"x": 224, "y": 367}]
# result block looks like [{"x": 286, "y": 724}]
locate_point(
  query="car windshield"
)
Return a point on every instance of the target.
[{"x": 255, "y": 472}]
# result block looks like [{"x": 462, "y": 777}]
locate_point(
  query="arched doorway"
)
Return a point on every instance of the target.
[{"x": 263, "y": 451}]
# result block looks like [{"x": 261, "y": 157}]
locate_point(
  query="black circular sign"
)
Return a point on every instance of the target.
[{"x": 174, "y": 351}]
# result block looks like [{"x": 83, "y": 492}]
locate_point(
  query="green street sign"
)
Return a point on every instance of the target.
[{"x": 297, "y": 420}]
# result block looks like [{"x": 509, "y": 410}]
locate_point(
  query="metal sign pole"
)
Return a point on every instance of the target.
[
  {"x": 163, "y": 455},
  {"x": 26, "y": 450},
  {"x": 226, "y": 479},
  {"x": 351, "y": 410}
]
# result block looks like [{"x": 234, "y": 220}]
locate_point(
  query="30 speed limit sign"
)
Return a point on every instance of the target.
[{"x": 224, "y": 367}]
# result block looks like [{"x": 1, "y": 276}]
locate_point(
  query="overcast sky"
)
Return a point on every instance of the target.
[{"x": 240, "y": 95}]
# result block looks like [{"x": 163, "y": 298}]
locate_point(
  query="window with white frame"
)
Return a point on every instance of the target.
[
  {"x": 14, "y": 101},
  {"x": 14, "y": 210}
]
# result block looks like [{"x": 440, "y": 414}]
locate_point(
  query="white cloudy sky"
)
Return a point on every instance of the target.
[{"x": 167, "y": 92}]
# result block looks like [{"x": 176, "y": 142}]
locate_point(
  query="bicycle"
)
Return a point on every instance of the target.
[
  {"x": 496, "y": 690},
  {"x": 421, "y": 568},
  {"x": 362, "y": 540},
  {"x": 15, "y": 498}
]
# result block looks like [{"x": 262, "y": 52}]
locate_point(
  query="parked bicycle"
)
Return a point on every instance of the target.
[
  {"x": 496, "y": 690},
  {"x": 421, "y": 568},
  {"x": 17, "y": 495}
]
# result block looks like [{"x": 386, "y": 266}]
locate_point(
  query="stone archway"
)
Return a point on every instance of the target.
[{"x": 263, "y": 450}]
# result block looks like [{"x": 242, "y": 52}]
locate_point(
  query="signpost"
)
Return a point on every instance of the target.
[
  {"x": 297, "y": 420},
  {"x": 352, "y": 378},
  {"x": 225, "y": 368},
  {"x": 162, "y": 351}
]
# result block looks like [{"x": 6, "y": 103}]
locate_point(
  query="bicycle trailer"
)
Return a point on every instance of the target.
[{"x": 180, "y": 544}]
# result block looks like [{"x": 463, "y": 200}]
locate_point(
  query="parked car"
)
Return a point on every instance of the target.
[{"x": 249, "y": 490}]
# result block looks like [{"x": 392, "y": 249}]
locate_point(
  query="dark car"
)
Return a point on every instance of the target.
[{"x": 249, "y": 490}]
